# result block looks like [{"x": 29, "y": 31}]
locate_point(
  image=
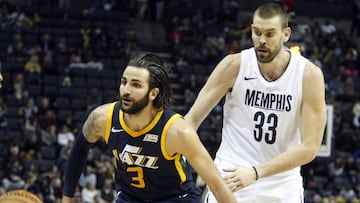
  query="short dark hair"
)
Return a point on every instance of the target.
[
  {"x": 159, "y": 77},
  {"x": 270, "y": 10}
]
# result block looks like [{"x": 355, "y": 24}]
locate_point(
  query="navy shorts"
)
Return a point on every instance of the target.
[{"x": 189, "y": 197}]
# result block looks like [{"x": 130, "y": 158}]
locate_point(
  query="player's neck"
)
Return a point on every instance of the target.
[
  {"x": 140, "y": 120},
  {"x": 273, "y": 70}
]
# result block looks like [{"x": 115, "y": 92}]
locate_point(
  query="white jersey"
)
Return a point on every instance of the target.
[{"x": 262, "y": 118}]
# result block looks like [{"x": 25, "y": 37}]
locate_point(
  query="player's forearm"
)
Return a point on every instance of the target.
[
  {"x": 200, "y": 109},
  {"x": 223, "y": 194},
  {"x": 295, "y": 157}
]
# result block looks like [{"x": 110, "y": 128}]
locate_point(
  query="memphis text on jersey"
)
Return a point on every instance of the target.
[{"x": 271, "y": 101}]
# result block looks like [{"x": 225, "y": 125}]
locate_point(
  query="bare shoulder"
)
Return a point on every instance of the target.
[
  {"x": 232, "y": 62},
  {"x": 225, "y": 73},
  {"x": 95, "y": 124},
  {"x": 313, "y": 81},
  {"x": 312, "y": 74},
  {"x": 180, "y": 136},
  {"x": 180, "y": 128}
]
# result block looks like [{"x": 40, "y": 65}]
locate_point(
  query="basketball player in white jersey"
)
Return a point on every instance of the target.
[{"x": 274, "y": 113}]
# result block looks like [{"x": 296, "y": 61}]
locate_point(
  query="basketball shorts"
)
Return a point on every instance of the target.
[
  {"x": 274, "y": 189},
  {"x": 189, "y": 197}
]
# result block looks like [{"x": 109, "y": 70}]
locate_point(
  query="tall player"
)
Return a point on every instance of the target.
[
  {"x": 274, "y": 113},
  {"x": 151, "y": 144}
]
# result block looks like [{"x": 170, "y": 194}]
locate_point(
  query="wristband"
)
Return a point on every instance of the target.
[{"x": 256, "y": 173}]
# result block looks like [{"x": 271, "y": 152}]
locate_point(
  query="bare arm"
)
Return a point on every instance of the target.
[
  {"x": 313, "y": 119},
  {"x": 93, "y": 129},
  {"x": 183, "y": 139},
  {"x": 95, "y": 125},
  {"x": 219, "y": 82}
]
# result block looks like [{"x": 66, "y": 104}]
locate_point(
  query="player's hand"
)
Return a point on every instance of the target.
[
  {"x": 66, "y": 199},
  {"x": 238, "y": 178}
]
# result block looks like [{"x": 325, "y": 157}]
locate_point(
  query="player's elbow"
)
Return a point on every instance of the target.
[
  {"x": 189, "y": 118},
  {"x": 310, "y": 153}
]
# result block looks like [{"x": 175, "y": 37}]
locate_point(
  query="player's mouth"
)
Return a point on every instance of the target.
[
  {"x": 262, "y": 50},
  {"x": 126, "y": 101}
]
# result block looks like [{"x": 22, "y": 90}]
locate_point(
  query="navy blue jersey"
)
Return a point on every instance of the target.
[{"x": 143, "y": 169}]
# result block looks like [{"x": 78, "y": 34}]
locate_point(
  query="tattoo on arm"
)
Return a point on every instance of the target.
[{"x": 91, "y": 128}]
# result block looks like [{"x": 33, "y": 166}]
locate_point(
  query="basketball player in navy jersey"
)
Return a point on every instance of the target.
[
  {"x": 152, "y": 145},
  {"x": 274, "y": 113}
]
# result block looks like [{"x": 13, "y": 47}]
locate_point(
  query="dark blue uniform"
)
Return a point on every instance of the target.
[{"x": 144, "y": 171}]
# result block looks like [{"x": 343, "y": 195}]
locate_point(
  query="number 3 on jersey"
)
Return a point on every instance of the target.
[
  {"x": 265, "y": 127},
  {"x": 138, "y": 180}
]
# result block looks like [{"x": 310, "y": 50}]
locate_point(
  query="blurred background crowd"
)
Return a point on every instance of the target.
[{"x": 62, "y": 58}]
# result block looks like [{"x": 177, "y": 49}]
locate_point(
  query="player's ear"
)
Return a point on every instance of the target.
[
  {"x": 153, "y": 93},
  {"x": 287, "y": 33}
]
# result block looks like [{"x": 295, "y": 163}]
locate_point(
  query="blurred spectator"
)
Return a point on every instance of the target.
[
  {"x": 76, "y": 59},
  {"x": 69, "y": 121},
  {"x": 328, "y": 28},
  {"x": 34, "y": 49},
  {"x": 14, "y": 176},
  {"x": 17, "y": 37},
  {"x": 355, "y": 18},
  {"x": 33, "y": 70},
  {"x": 92, "y": 62},
  {"x": 350, "y": 166},
  {"x": 347, "y": 193},
  {"x": 46, "y": 43},
  {"x": 65, "y": 136},
  {"x": 93, "y": 99},
  {"x": 48, "y": 120},
  {"x": 47, "y": 63},
  {"x": 356, "y": 113},
  {"x": 62, "y": 47},
  {"x": 19, "y": 86},
  {"x": 336, "y": 167},
  {"x": 336, "y": 86},
  {"x": 65, "y": 85},
  {"x": 4, "y": 125},
  {"x": 87, "y": 176},
  {"x": 32, "y": 183},
  {"x": 64, "y": 4},
  {"x": 102, "y": 163},
  {"x": 31, "y": 125},
  {"x": 142, "y": 9},
  {"x": 89, "y": 194},
  {"x": 32, "y": 145},
  {"x": 48, "y": 136},
  {"x": 51, "y": 185},
  {"x": 64, "y": 155},
  {"x": 176, "y": 36},
  {"x": 349, "y": 88},
  {"x": 30, "y": 108},
  {"x": 16, "y": 48},
  {"x": 107, "y": 192},
  {"x": 44, "y": 106}
]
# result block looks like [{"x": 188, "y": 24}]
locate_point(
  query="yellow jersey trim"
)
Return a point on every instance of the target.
[
  {"x": 176, "y": 157},
  {"x": 133, "y": 133},
  {"x": 109, "y": 122}
]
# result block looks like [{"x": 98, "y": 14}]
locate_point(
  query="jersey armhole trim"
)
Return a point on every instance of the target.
[{"x": 109, "y": 122}]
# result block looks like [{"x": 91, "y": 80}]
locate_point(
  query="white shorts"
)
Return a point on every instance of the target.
[{"x": 274, "y": 189}]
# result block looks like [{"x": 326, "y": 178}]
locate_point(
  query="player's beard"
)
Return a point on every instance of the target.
[
  {"x": 269, "y": 55},
  {"x": 137, "y": 106}
]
